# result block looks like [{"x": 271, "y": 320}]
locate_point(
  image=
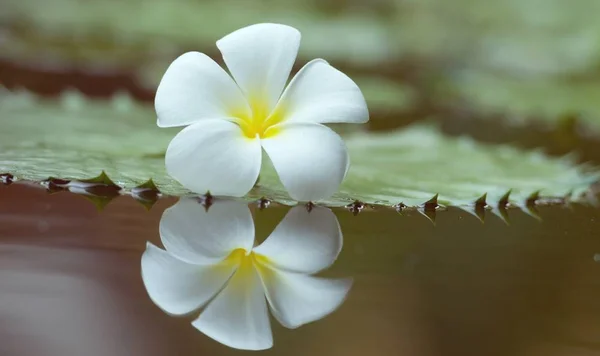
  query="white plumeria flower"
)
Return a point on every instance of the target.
[
  {"x": 229, "y": 121},
  {"x": 212, "y": 254}
]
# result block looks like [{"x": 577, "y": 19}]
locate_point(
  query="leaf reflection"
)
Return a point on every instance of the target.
[{"x": 210, "y": 261}]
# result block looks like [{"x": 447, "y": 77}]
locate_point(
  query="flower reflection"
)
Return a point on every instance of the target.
[{"x": 212, "y": 254}]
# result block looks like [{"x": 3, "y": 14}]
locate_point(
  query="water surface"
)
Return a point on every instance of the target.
[{"x": 71, "y": 283}]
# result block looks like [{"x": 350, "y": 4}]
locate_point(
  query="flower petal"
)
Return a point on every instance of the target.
[
  {"x": 260, "y": 58},
  {"x": 320, "y": 93},
  {"x": 215, "y": 156},
  {"x": 238, "y": 316},
  {"x": 178, "y": 287},
  {"x": 194, "y": 88},
  {"x": 201, "y": 236},
  {"x": 304, "y": 241},
  {"x": 297, "y": 299},
  {"x": 310, "y": 159}
]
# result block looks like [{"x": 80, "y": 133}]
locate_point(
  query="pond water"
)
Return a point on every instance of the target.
[{"x": 71, "y": 281}]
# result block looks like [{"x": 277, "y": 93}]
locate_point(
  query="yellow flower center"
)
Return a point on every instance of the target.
[{"x": 260, "y": 122}]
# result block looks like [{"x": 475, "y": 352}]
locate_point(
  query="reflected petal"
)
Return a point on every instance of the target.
[
  {"x": 304, "y": 241},
  {"x": 297, "y": 299},
  {"x": 238, "y": 316},
  {"x": 194, "y": 88},
  {"x": 310, "y": 159},
  {"x": 178, "y": 287},
  {"x": 215, "y": 156},
  {"x": 260, "y": 58},
  {"x": 276, "y": 272},
  {"x": 196, "y": 235}
]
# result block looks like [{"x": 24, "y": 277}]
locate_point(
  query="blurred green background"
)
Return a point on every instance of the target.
[{"x": 521, "y": 58}]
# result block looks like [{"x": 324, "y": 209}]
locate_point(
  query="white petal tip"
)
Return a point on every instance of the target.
[
  {"x": 222, "y": 337},
  {"x": 267, "y": 26},
  {"x": 160, "y": 124}
]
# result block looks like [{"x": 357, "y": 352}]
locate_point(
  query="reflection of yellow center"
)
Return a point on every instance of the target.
[
  {"x": 260, "y": 122},
  {"x": 246, "y": 261}
]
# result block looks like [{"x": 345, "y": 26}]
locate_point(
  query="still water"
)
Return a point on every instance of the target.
[{"x": 382, "y": 284}]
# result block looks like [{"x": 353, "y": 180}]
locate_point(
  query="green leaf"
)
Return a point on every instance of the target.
[
  {"x": 102, "y": 179},
  {"x": 76, "y": 139},
  {"x": 413, "y": 165},
  {"x": 79, "y": 138}
]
